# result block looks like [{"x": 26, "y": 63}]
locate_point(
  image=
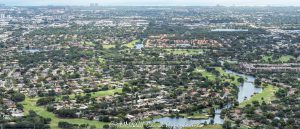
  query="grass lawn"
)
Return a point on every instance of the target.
[
  {"x": 286, "y": 58},
  {"x": 100, "y": 93},
  {"x": 283, "y": 58},
  {"x": 88, "y": 43},
  {"x": 204, "y": 73},
  {"x": 213, "y": 77},
  {"x": 30, "y": 104},
  {"x": 108, "y": 46},
  {"x": 243, "y": 127},
  {"x": 266, "y": 58},
  {"x": 268, "y": 94},
  {"x": 205, "y": 127},
  {"x": 131, "y": 44},
  {"x": 184, "y": 51},
  {"x": 223, "y": 73},
  {"x": 195, "y": 116}
]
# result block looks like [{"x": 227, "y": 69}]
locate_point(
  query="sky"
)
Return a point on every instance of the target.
[{"x": 154, "y": 2}]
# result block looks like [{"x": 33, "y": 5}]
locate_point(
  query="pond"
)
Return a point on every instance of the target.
[
  {"x": 246, "y": 90},
  {"x": 139, "y": 46},
  {"x": 32, "y": 50},
  {"x": 229, "y": 30}
]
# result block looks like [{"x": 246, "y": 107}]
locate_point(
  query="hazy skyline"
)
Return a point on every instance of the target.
[{"x": 154, "y": 2}]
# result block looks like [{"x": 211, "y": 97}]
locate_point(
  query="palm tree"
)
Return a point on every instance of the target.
[{"x": 147, "y": 126}]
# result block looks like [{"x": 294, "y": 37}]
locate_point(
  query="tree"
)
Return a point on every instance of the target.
[
  {"x": 66, "y": 113},
  {"x": 45, "y": 101},
  {"x": 18, "y": 97},
  {"x": 166, "y": 127},
  {"x": 105, "y": 126},
  {"x": 227, "y": 125},
  {"x": 32, "y": 120},
  {"x": 65, "y": 125},
  {"x": 93, "y": 127},
  {"x": 257, "y": 82},
  {"x": 240, "y": 80},
  {"x": 147, "y": 126},
  {"x": 212, "y": 121},
  {"x": 238, "y": 123},
  {"x": 281, "y": 93},
  {"x": 32, "y": 113}
]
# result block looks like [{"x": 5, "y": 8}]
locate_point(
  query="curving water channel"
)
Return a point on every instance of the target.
[{"x": 246, "y": 90}]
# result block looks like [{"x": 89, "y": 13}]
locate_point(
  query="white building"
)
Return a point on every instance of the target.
[{"x": 2, "y": 16}]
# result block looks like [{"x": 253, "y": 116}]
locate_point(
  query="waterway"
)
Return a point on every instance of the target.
[
  {"x": 32, "y": 50},
  {"x": 246, "y": 90}
]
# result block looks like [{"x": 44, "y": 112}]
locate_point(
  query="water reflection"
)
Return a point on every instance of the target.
[
  {"x": 246, "y": 90},
  {"x": 139, "y": 46}
]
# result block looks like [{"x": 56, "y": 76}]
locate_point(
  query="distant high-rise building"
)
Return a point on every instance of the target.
[
  {"x": 93, "y": 4},
  {"x": 2, "y": 16}
]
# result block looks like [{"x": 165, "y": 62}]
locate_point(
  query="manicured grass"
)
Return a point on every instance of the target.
[
  {"x": 30, "y": 104},
  {"x": 268, "y": 94},
  {"x": 131, "y": 44},
  {"x": 283, "y": 58},
  {"x": 195, "y": 116},
  {"x": 213, "y": 77},
  {"x": 223, "y": 73},
  {"x": 205, "y": 127},
  {"x": 108, "y": 46},
  {"x": 286, "y": 58},
  {"x": 266, "y": 58},
  {"x": 100, "y": 93},
  {"x": 88, "y": 43},
  {"x": 184, "y": 51},
  {"x": 243, "y": 127},
  {"x": 204, "y": 73}
]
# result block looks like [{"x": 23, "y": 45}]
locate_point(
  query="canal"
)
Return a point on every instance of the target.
[{"x": 246, "y": 90}]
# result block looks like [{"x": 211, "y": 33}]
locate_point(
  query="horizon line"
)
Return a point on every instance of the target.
[{"x": 151, "y": 5}]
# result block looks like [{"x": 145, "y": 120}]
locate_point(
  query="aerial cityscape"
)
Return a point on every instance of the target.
[{"x": 149, "y": 67}]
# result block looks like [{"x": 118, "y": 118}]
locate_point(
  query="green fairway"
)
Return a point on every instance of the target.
[
  {"x": 30, "y": 104},
  {"x": 100, "y": 93},
  {"x": 223, "y": 73},
  {"x": 268, "y": 94},
  {"x": 131, "y": 44},
  {"x": 283, "y": 59},
  {"x": 206, "y": 74},
  {"x": 108, "y": 46},
  {"x": 213, "y": 77},
  {"x": 286, "y": 58},
  {"x": 184, "y": 51},
  {"x": 88, "y": 44},
  {"x": 195, "y": 116}
]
